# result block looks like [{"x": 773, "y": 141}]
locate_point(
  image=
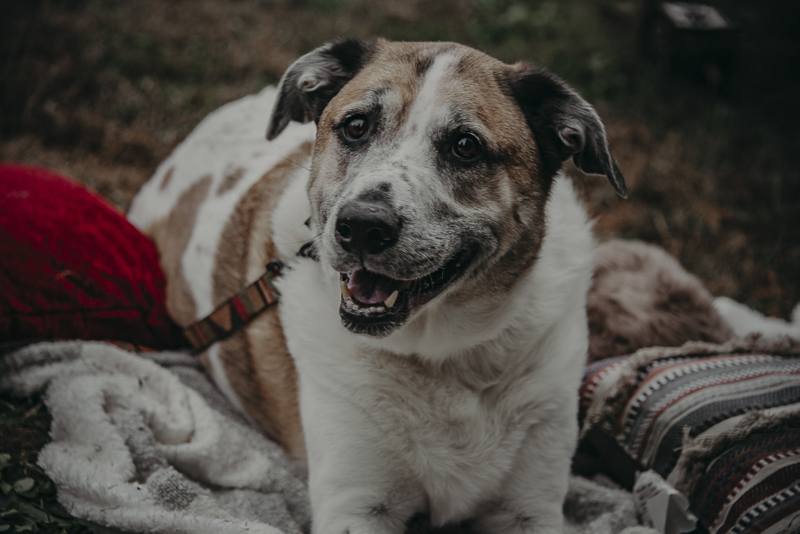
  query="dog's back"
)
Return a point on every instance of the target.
[{"x": 208, "y": 209}]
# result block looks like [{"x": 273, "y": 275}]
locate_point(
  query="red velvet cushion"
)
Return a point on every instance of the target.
[{"x": 72, "y": 266}]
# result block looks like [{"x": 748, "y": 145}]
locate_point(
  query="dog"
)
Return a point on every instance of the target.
[
  {"x": 431, "y": 334},
  {"x": 642, "y": 297}
]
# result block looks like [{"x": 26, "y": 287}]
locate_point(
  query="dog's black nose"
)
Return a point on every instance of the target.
[{"x": 367, "y": 227}]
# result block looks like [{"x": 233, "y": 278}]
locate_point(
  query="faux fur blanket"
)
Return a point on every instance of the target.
[{"x": 144, "y": 443}]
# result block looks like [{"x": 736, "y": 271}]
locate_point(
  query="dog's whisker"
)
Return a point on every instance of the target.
[
  {"x": 302, "y": 241},
  {"x": 297, "y": 242},
  {"x": 293, "y": 242},
  {"x": 287, "y": 158}
]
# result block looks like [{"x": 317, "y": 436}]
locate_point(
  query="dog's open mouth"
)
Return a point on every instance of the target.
[{"x": 375, "y": 304}]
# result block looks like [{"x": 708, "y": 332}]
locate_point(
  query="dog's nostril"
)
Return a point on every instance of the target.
[
  {"x": 377, "y": 237},
  {"x": 344, "y": 230}
]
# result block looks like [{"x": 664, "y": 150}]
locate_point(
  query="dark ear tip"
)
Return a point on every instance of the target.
[
  {"x": 617, "y": 181},
  {"x": 275, "y": 127}
]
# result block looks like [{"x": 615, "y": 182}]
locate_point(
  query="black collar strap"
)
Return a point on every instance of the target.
[{"x": 235, "y": 312}]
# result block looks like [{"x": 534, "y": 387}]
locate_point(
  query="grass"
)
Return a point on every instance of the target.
[{"x": 104, "y": 90}]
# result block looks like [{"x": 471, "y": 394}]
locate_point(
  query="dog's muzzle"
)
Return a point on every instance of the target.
[{"x": 373, "y": 303}]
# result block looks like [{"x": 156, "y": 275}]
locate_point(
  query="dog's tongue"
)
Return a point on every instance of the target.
[{"x": 371, "y": 288}]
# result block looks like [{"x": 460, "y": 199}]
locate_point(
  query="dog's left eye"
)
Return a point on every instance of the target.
[
  {"x": 356, "y": 127},
  {"x": 467, "y": 146}
]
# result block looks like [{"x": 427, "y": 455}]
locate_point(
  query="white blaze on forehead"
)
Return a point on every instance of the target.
[
  {"x": 413, "y": 142},
  {"x": 414, "y": 138},
  {"x": 424, "y": 107}
]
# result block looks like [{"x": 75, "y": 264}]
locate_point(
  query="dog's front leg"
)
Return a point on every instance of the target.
[
  {"x": 533, "y": 496},
  {"x": 356, "y": 485}
]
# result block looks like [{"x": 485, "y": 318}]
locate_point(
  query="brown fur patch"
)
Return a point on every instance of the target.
[
  {"x": 166, "y": 179},
  {"x": 256, "y": 360},
  {"x": 171, "y": 235},
  {"x": 399, "y": 66},
  {"x": 230, "y": 180},
  {"x": 277, "y": 381},
  {"x": 642, "y": 297}
]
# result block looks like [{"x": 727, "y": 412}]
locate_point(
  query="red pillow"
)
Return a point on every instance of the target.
[{"x": 73, "y": 267}]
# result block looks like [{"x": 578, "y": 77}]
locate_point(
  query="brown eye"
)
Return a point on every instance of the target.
[
  {"x": 466, "y": 147},
  {"x": 356, "y": 128}
]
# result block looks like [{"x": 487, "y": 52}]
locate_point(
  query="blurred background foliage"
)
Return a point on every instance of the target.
[{"x": 105, "y": 89}]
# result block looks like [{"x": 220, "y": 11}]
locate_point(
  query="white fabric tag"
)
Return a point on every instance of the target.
[{"x": 661, "y": 506}]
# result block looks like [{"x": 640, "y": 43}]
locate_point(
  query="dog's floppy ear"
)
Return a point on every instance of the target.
[
  {"x": 314, "y": 79},
  {"x": 564, "y": 125}
]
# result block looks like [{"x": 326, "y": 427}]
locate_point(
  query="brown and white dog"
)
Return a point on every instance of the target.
[{"x": 427, "y": 357}]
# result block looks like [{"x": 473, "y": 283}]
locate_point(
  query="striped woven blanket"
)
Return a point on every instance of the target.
[{"x": 720, "y": 422}]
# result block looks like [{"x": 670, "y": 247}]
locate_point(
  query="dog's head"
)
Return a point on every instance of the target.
[{"x": 431, "y": 169}]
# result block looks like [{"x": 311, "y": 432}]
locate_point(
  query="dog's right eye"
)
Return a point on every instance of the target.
[
  {"x": 355, "y": 128},
  {"x": 467, "y": 147}
]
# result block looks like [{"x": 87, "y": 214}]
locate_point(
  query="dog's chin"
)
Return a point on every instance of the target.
[{"x": 376, "y": 305}]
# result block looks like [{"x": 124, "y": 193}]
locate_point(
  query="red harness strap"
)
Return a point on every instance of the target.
[{"x": 235, "y": 312}]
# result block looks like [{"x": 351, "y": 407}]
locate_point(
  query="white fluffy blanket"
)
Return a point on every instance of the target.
[{"x": 144, "y": 443}]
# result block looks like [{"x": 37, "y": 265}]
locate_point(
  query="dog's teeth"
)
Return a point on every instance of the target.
[
  {"x": 373, "y": 309},
  {"x": 350, "y": 304},
  {"x": 345, "y": 292},
  {"x": 380, "y": 309},
  {"x": 391, "y": 300}
]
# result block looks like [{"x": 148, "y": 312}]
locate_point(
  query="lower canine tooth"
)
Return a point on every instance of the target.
[
  {"x": 345, "y": 292},
  {"x": 391, "y": 300}
]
